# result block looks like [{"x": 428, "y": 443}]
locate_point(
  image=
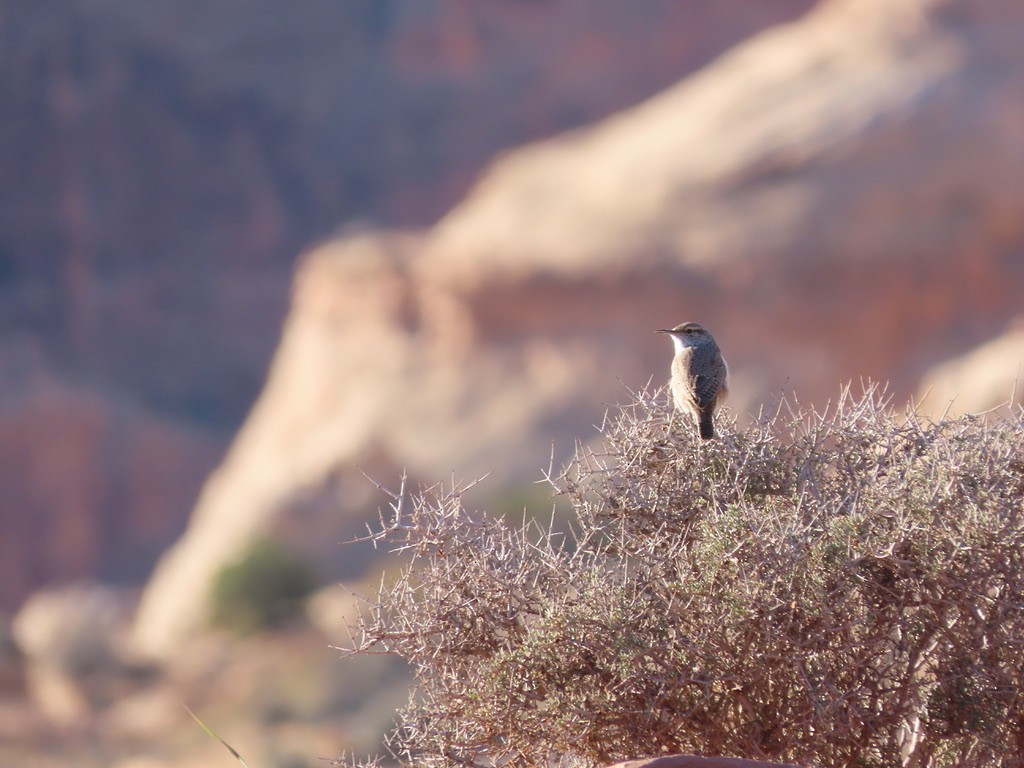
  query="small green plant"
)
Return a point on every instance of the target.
[{"x": 265, "y": 587}]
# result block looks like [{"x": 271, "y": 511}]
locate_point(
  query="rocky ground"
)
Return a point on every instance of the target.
[{"x": 281, "y": 698}]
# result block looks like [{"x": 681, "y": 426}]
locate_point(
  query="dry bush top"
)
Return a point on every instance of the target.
[{"x": 839, "y": 589}]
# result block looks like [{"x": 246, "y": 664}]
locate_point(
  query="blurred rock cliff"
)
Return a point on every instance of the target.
[
  {"x": 162, "y": 162},
  {"x": 835, "y": 198}
]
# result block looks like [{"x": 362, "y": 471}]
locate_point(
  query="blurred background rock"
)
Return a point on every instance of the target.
[{"x": 496, "y": 205}]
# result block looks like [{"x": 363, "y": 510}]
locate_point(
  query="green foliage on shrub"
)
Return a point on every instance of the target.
[
  {"x": 839, "y": 589},
  {"x": 264, "y": 588}
]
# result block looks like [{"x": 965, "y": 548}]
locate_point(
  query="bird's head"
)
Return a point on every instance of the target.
[{"x": 686, "y": 335}]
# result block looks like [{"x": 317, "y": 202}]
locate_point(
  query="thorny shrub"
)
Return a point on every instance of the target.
[{"x": 838, "y": 589}]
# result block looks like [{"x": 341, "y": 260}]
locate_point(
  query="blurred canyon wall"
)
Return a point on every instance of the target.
[
  {"x": 162, "y": 162},
  {"x": 836, "y": 198}
]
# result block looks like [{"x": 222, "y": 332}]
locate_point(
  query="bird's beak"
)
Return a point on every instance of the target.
[{"x": 663, "y": 330}]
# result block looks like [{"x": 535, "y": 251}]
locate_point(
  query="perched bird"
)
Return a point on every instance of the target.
[{"x": 699, "y": 374}]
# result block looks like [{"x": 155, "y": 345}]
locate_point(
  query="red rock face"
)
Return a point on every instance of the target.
[
  {"x": 161, "y": 165},
  {"x": 832, "y": 199},
  {"x": 91, "y": 489}
]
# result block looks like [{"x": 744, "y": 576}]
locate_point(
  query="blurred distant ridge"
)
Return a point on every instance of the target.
[
  {"x": 834, "y": 198},
  {"x": 162, "y": 163}
]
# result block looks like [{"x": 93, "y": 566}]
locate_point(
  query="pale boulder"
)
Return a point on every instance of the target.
[{"x": 988, "y": 378}]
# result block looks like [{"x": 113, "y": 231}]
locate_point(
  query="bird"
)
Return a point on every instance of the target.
[{"x": 699, "y": 374}]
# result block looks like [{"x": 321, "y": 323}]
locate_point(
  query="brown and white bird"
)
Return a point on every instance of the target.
[{"x": 699, "y": 374}]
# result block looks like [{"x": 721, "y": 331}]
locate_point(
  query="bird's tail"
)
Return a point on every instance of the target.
[{"x": 707, "y": 427}]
